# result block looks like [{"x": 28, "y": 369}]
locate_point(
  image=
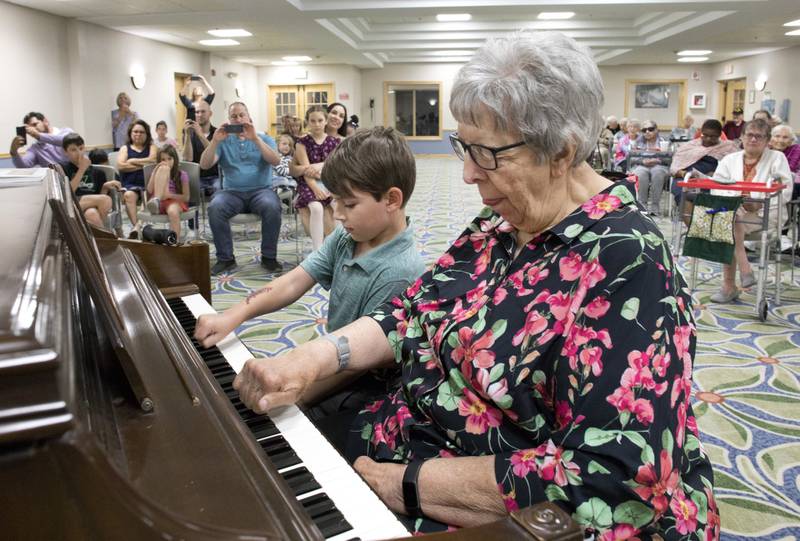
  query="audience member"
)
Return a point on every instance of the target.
[
  {"x": 623, "y": 145},
  {"x": 293, "y": 126},
  {"x": 313, "y": 200},
  {"x": 650, "y": 164},
  {"x": 733, "y": 128},
  {"x": 337, "y": 114},
  {"x": 756, "y": 163},
  {"x": 162, "y": 139},
  {"x": 763, "y": 114},
  {"x": 133, "y": 156},
  {"x": 623, "y": 130},
  {"x": 168, "y": 188},
  {"x": 282, "y": 179},
  {"x": 612, "y": 125},
  {"x": 369, "y": 258},
  {"x": 200, "y": 91},
  {"x": 197, "y": 135},
  {"x": 87, "y": 183},
  {"x": 47, "y": 147},
  {"x": 784, "y": 140},
  {"x": 352, "y": 125},
  {"x": 685, "y": 131},
  {"x": 121, "y": 120},
  {"x": 701, "y": 155},
  {"x": 246, "y": 158}
]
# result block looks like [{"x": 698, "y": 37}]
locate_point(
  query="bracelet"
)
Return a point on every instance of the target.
[{"x": 411, "y": 490}]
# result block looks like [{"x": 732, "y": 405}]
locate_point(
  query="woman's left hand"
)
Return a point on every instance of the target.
[{"x": 386, "y": 479}]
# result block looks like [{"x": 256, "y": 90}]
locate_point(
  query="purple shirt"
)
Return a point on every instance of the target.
[
  {"x": 792, "y": 153},
  {"x": 45, "y": 151}
]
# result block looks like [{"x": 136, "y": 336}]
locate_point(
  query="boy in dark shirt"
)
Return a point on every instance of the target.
[{"x": 88, "y": 184}]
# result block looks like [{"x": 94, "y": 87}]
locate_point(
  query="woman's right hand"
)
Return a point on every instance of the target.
[
  {"x": 264, "y": 384},
  {"x": 212, "y": 328},
  {"x": 319, "y": 192}
]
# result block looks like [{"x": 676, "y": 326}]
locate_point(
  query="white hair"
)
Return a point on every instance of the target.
[
  {"x": 611, "y": 118},
  {"x": 543, "y": 85},
  {"x": 787, "y": 128}
]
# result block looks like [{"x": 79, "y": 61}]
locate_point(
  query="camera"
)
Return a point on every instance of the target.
[
  {"x": 234, "y": 128},
  {"x": 191, "y": 114},
  {"x": 166, "y": 237}
]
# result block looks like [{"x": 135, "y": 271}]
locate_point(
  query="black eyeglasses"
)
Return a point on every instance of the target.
[
  {"x": 651, "y": 128},
  {"x": 483, "y": 156}
]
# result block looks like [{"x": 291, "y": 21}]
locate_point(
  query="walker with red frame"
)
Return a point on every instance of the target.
[{"x": 769, "y": 192}]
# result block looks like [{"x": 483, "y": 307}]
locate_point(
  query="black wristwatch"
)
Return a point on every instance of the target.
[{"x": 410, "y": 489}]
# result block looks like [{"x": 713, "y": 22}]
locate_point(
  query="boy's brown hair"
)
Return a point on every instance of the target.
[{"x": 373, "y": 161}]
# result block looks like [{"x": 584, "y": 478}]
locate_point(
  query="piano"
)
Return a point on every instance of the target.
[{"x": 116, "y": 424}]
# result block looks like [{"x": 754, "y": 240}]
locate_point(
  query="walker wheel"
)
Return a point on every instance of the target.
[{"x": 763, "y": 307}]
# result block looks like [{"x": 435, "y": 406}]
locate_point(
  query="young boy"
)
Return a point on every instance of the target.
[
  {"x": 368, "y": 259},
  {"x": 88, "y": 184}
]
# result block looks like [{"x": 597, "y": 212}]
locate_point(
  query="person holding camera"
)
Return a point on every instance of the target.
[
  {"x": 246, "y": 158},
  {"x": 201, "y": 91},
  {"x": 47, "y": 147},
  {"x": 197, "y": 134}
]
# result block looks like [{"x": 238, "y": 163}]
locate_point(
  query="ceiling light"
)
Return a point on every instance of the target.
[
  {"x": 297, "y": 58},
  {"x": 694, "y": 53},
  {"x": 453, "y": 17},
  {"x": 793, "y": 33},
  {"x": 283, "y": 63},
  {"x": 230, "y": 33},
  {"x": 796, "y": 22},
  {"x": 452, "y": 53},
  {"x": 693, "y": 59},
  {"x": 555, "y": 15},
  {"x": 218, "y": 42}
]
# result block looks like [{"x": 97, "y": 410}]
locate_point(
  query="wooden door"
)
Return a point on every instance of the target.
[
  {"x": 733, "y": 94},
  {"x": 294, "y": 100},
  {"x": 180, "y": 110}
]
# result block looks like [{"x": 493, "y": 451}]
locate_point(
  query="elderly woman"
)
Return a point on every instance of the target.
[
  {"x": 649, "y": 161},
  {"x": 624, "y": 143},
  {"x": 756, "y": 163},
  {"x": 547, "y": 355},
  {"x": 121, "y": 120},
  {"x": 784, "y": 140}
]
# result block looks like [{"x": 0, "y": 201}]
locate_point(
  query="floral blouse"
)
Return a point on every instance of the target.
[{"x": 571, "y": 364}]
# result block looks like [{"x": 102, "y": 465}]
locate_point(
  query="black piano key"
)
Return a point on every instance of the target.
[
  {"x": 280, "y": 452},
  {"x": 265, "y": 430},
  {"x": 318, "y": 505},
  {"x": 332, "y": 524},
  {"x": 301, "y": 481}
]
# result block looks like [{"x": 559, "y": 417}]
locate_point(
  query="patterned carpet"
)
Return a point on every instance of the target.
[{"x": 747, "y": 396}]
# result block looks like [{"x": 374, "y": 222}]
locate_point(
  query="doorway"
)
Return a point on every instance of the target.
[
  {"x": 294, "y": 100},
  {"x": 731, "y": 96},
  {"x": 180, "y": 110}
]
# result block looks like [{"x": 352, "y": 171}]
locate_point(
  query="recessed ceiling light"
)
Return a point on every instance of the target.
[
  {"x": 694, "y": 53},
  {"x": 693, "y": 59},
  {"x": 230, "y": 33},
  {"x": 283, "y": 63},
  {"x": 555, "y": 15},
  {"x": 452, "y": 53},
  {"x": 218, "y": 42},
  {"x": 796, "y": 22},
  {"x": 297, "y": 58},
  {"x": 793, "y": 33},
  {"x": 453, "y": 17}
]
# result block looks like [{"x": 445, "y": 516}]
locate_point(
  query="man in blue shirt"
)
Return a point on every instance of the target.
[{"x": 245, "y": 160}]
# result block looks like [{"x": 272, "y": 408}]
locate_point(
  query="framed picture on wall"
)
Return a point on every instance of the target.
[
  {"x": 698, "y": 101},
  {"x": 661, "y": 100}
]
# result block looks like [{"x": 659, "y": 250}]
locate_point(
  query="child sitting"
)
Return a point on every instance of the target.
[
  {"x": 168, "y": 188},
  {"x": 282, "y": 180},
  {"x": 365, "y": 262},
  {"x": 88, "y": 184}
]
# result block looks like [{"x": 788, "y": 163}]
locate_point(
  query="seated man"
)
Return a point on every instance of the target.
[
  {"x": 246, "y": 158},
  {"x": 46, "y": 150},
  {"x": 88, "y": 184}
]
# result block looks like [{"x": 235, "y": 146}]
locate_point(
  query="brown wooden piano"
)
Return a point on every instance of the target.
[{"x": 115, "y": 425}]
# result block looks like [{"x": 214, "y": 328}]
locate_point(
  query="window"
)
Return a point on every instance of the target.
[{"x": 413, "y": 108}]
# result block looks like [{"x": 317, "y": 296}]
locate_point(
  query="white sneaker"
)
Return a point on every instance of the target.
[{"x": 154, "y": 205}]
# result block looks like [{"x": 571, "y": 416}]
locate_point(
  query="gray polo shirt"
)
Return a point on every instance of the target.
[{"x": 359, "y": 285}]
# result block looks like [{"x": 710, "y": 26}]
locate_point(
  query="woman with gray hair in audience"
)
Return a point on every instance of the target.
[
  {"x": 547, "y": 354},
  {"x": 784, "y": 140},
  {"x": 649, "y": 161}
]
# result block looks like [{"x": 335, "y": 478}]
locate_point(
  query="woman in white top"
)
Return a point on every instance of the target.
[{"x": 756, "y": 163}]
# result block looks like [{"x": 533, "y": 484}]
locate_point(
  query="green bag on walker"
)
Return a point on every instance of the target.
[{"x": 710, "y": 234}]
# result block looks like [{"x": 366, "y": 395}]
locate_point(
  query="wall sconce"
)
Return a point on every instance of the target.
[
  {"x": 138, "y": 78},
  {"x": 761, "y": 83}
]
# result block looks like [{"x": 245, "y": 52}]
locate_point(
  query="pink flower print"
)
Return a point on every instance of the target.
[
  {"x": 593, "y": 358},
  {"x": 414, "y": 288},
  {"x": 402, "y": 415},
  {"x": 563, "y": 414},
  {"x": 492, "y": 391},
  {"x": 685, "y": 512},
  {"x": 483, "y": 260},
  {"x": 445, "y": 261},
  {"x": 680, "y": 431},
  {"x": 554, "y": 467},
  {"x": 681, "y": 338},
  {"x": 378, "y": 436},
  {"x": 476, "y": 293},
  {"x": 430, "y": 306},
  {"x": 535, "y": 323},
  {"x": 712, "y": 520},
  {"x": 643, "y": 410},
  {"x": 657, "y": 487},
  {"x": 622, "y": 399},
  {"x": 480, "y": 417},
  {"x": 523, "y": 462},
  {"x": 597, "y": 308},
  {"x": 559, "y": 304},
  {"x": 691, "y": 424},
  {"x": 620, "y": 532},
  {"x": 374, "y": 406},
  {"x": 680, "y": 386},
  {"x": 477, "y": 351},
  {"x": 661, "y": 363},
  {"x": 582, "y": 335},
  {"x": 500, "y": 295},
  {"x": 536, "y": 275},
  {"x": 460, "y": 241},
  {"x": 508, "y": 499},
  {"x": 569, "y": 267},
  {"x": 604, "y": 338},
  {"x": 601, "y": 204},
  {"x": 593, "y": 272}
]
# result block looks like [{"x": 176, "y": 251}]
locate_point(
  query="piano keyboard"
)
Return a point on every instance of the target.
[{"x": 338, "y": 501}]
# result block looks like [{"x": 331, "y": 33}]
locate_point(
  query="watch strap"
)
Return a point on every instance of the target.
[
  {"x": 342, "y": 350},
  {"x": 411, "y": 490}
]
